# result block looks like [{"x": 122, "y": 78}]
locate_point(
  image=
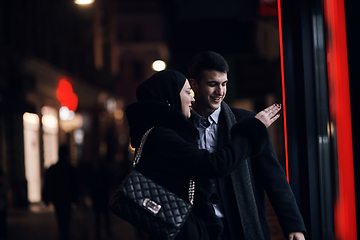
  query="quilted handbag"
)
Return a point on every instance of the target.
[{"x": 149, "y": 206}]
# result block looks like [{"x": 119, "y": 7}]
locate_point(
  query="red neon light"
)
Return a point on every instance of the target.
[
  {"x": 66, "y": 96},
  {"x": 283, "y": 88},
  {"x": 340, "y": 114},
  {"x": 268, "y": 8}
]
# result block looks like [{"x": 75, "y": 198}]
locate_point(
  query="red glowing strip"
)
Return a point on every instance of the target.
[
  {"x": 283, "y": 87},
  {"x": 340, "y": 114}
]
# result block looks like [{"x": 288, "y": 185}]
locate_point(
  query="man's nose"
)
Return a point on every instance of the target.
[{"x": 220, "y": 90}]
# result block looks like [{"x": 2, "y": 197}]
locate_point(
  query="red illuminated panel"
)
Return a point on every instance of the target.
[
  {"x": 283, "y": 87},
  {"x": 66, "y": 96},
  {"x": 268, "y": 8},
  {"x": 340, "y": 114}
]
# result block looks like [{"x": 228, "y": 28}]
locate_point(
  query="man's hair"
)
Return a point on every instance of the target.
[{"x": 207, "y": 60}]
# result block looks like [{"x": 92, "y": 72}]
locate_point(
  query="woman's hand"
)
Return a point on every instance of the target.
[
  {"x": 296, "y": 236},
  {"x": 269, "y": 115}
]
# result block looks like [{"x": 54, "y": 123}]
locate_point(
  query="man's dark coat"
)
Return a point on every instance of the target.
[{"x": 264, "y": 174}]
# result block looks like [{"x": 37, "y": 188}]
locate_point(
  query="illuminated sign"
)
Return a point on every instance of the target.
[{"x": 66, "y": 95}]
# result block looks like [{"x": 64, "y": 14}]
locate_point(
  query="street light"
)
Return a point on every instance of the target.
[
  {"x": 158, "y": 65},
  {"x": 84, "y": 2}
]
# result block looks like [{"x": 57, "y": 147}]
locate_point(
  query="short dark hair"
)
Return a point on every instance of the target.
[{"x": 207, "y": 60}]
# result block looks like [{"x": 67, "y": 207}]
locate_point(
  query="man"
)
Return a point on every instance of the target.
[{"x": 242, "y": 195}]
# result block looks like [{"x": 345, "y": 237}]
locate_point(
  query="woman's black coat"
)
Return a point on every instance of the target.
[{"x": 171, "y": 158}]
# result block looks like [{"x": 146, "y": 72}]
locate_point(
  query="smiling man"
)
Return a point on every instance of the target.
[
  {"x": 239, "y": 199},
  {"x": 210, "y": 92}
]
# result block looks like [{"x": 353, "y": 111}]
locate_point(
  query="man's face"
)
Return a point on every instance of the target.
[{"x": 210, "y": 92}]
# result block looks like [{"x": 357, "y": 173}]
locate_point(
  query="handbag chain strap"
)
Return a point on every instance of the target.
[
  {"x": 191, "y": 192},
  {"x": 139, "y": 151}
]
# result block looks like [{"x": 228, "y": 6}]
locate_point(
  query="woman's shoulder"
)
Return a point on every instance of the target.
[
  {"x": 163, "y": 131},
  {"x": 164, "y": 137},
  {"x": 182, "y": 129}
]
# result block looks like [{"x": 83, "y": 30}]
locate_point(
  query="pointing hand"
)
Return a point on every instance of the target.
[{"x": 269, "y": 115}]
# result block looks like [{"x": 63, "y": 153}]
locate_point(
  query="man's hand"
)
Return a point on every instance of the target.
[
  {"x": 269, "y": 115},
  {"x": 296, "y": 236}
]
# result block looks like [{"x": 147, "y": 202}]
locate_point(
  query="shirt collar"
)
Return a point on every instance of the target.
[
  {"x": 215, "y": 115},
  {"x": 213, "y": 118}
]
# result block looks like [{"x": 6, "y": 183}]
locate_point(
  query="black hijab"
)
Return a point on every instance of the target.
[{"x": 164, "y": 86}]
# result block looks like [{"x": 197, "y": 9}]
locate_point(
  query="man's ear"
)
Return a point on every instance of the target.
[{"x": 193, "y": 84}]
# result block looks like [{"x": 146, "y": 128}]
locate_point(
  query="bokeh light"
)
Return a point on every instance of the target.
[
  {"x": 84, "y": 2},
  {"x": 159, "y": 65}
]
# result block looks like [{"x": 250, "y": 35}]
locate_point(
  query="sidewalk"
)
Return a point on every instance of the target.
[{"x": 39, "y": 223}]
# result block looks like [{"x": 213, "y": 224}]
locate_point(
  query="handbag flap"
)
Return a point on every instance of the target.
[{"x": 152, "y": 197}]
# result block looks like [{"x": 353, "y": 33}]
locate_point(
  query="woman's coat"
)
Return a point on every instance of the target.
[{"x": 171, "y": 158}]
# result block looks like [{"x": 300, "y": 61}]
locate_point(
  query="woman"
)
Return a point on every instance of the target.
[{"x": 171, "y": 156}]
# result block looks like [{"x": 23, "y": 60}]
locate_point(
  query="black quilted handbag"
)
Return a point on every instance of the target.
[{"x": 149, "y": 206}]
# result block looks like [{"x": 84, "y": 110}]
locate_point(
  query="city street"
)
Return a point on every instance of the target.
[{"x": 39, "y": 223}]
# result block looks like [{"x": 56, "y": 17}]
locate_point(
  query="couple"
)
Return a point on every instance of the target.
[{"x": 234, "y": 164}]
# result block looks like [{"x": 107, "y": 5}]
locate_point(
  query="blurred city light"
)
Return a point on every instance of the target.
[
  {"x": 158, "y": 65},
  {"x": 102, "y": 97},
  {"x": 131, "y": 148},
  {"x": 31, "y": 124},
  {"x": 84, "y": 2},
  {"x": 50, "y": 126},
  {"x": 49, "y": 121},
  {"x": 118, "y": 114},
  {"x": 79, "y": 136},
  {"x": 110, "y": 105},
  {"x": 66, "y": 96},
  {"x": 72, "y": 124},
  {"x": 31, "y": 118},
  {"x": 66, "y": 114}
]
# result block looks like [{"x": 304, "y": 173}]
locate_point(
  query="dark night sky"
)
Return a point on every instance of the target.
[
  {"x": 213, "y": 9},
  {"x": 224, "y": 26}
]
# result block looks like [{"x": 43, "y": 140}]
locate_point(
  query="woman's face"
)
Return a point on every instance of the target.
[{"x": 186, "y": 99}]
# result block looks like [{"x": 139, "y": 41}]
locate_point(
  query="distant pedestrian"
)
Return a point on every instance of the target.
[
  {"x": 100, "y": 195},
  {"x": 3, "y": 205},
  {"x": 60, "y": 188}
]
